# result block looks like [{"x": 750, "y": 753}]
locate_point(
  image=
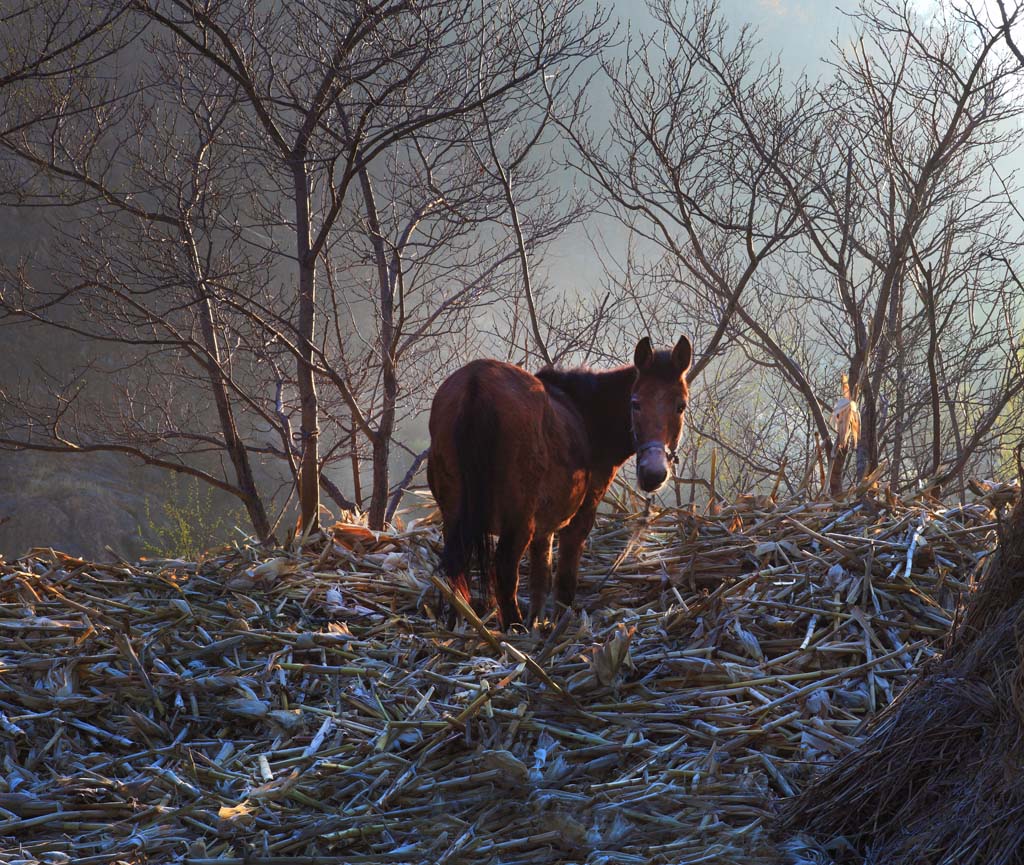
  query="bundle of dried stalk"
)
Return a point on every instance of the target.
[
  {"x": 307, "y": 706},
  {"x": 937, "y": 778}
]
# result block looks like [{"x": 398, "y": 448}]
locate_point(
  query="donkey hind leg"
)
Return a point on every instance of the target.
[
  {"x": 540, "y": 577},
  {"x": 458, "y": 582},
  {"x": 512, "y": 543}
]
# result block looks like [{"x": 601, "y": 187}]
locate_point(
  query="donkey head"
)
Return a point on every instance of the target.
[{"x": 657, "y": 404}]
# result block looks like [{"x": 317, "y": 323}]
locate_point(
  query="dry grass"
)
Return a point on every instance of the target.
[{"x": 304, "y": 707}]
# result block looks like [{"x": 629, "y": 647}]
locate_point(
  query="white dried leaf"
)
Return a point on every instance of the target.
[
  {"x": 856, "y": 698},
  {"x": 767, "y": 548},
  {"x": 334, "y": 601},
  {"x": 808, "y": 747},
  {"x": 182, "y": 606},
  {"x": 619, "y": 829},
  {"x": 557, "y": 769},
  {"x": 545, "y": 744},
  {"x": 835, "y": 575},
  {"x": 287, "y": 719},
  {"x": 818, "y": 702},
  {"x": 607, "y": 660},
  {"x": 246, "y": 708},
  {"x": 393, "y": 561},
  {"x": 509, "y": 764},
  {"x": 750, "y": 644},
  {"x": 410, "y": 737},
  {"x": 273, "y": 569}
]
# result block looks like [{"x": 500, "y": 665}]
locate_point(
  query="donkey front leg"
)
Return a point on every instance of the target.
[
  {"x": 570, "y": 547},
  {"x": 540, "y": 577}
]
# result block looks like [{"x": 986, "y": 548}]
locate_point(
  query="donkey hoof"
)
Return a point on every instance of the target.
[{"x": 510, "y": 618}]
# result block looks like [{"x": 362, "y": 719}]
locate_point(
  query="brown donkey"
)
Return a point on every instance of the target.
[{"x": 522, "y": 457}]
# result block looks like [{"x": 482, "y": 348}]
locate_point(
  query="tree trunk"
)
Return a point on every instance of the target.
[
  {"x": 357, "y": 484},
  {"x": 309, "y": 465},
  {"x": 379, "y": 495},
  {"x": 237, "y": 451},
  {"x": 867, "y": 447},
  {"x": 386, "y": 278},
  {"x": 239, "y": 455},
  {"x": 896, "y": 470},
  {"x": 835, "y": 471},
  {"x": 386, "y": 427},
  {"x": 933, "y": 385}
]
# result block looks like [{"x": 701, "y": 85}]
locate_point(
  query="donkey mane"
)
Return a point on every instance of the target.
[
  {"x": 584, "y": 383},
  {"x": 584, "y": 386},
  {"x": 602, "y": 399}
]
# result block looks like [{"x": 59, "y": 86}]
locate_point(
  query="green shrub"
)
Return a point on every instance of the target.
[{"x": 191, "y": 522}]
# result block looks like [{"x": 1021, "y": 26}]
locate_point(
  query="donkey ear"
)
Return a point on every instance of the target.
[
  {"x": 682, "y": 354},
  {"x": 643, "y": 354}
]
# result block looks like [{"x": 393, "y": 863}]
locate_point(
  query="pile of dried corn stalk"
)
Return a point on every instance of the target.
[
  {"x": 934, "y": 780},
  {"x": 307, "y": 707}
]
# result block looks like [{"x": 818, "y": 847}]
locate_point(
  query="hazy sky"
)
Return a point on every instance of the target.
[{"x": 799, "y": 32}]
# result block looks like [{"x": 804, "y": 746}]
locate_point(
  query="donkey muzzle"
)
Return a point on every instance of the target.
[{"x": 652, "y": 466}]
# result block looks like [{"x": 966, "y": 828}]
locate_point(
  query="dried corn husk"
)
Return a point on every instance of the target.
[{"x": 846, "y": 416}]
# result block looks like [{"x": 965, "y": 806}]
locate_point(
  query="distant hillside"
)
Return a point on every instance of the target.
[{"x": 80, "y": 504}]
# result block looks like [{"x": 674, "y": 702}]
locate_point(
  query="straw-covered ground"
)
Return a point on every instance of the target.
[
  {"x": 936, "y": 779},
  {"x": 308, "y": 707}
]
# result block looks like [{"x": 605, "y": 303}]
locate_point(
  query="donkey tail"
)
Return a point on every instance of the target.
[{"x": 468, "y": 537}]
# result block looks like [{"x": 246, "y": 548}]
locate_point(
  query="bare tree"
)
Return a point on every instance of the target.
[
  {"x": 678, "y": 169},
  {"x": 144, "y": 270},
  {"x": 273, "y": 122},
  {"x": 904, "y": 193},
  {"x": 49, "y": 41},
  {"x": 280, "y": 227}
]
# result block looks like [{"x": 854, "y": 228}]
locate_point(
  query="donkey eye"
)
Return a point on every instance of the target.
[
  {"x": 634, "y": 404},
  {"x": 681, "y": 408}
]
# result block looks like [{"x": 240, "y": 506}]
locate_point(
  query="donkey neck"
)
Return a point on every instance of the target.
[{"x": 602, "y": 400}]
